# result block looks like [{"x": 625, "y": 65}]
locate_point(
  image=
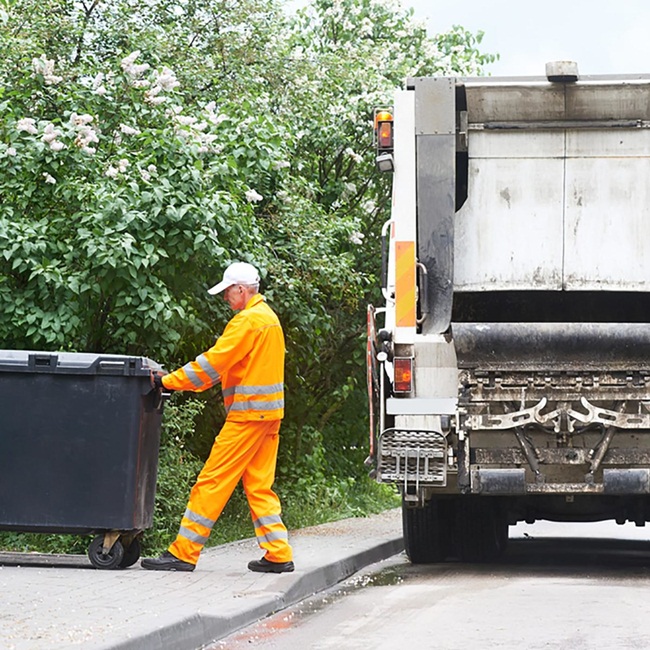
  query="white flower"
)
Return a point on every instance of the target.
[
  {"x": 89, "y": 150},
  {"x": 123, "y": 164},
  {"x": 80, "y": 120},
  {"x": 185, "y": 120},
  {"x": 136, "y": 70},
  {"x": 212, "y": 116},
  {"x": 145, "y": 175},
  {"x": 50, "y": 133},
  {"x": 355, "y": 156},
  {"x": 280, "y": 164},
  {"x": 153, "y": 99},
  {"x": 128, "y": 60},
  {"x": 217, "y": 119},
  {"x": 357, "y": 238},
  {"x": 207, "y": 139},
  {"x": 57, "y": 145},
  {"x": 252, "y": 196},
  {"x": 48, "y": 178},
  {"x": 112, "y": 172},
  {"x": 152, "y": 169},
  {"x": 28, "y": 125},
  {"x": 166, "y": 79},
  {"x": 10, "y": 151},
  {"x": 85, "y": 135},
  {"x": 129, "y": 130},
  {"x": 45, "y": 67},
  {"x": 131, "y": 68},
  {"x": 100, "y": 90}
]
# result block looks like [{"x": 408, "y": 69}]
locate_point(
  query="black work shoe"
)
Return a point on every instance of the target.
[
  {"x": 166, "y": 562},
  {"x": 266, "y": 566}
]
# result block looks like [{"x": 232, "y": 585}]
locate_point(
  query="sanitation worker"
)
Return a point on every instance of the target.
[{"x": 248, "y": 360}]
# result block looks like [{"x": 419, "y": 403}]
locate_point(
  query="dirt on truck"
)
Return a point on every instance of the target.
[{"x": 509, "y": 366}]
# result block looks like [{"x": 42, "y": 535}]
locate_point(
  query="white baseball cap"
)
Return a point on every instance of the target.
[{"x": 237, "y": 273}]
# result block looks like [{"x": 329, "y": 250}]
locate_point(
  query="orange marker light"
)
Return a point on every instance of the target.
[{"x": 383, "y": 116}]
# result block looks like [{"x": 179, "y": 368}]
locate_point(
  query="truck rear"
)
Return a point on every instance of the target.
[{"x": 509, "y": 368}]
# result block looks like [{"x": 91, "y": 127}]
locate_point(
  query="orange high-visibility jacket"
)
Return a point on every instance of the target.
[{"x": 248, "y": 359}]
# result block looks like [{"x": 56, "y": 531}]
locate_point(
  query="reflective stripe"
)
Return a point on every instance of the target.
[
  {"x": 251, "y": 405},
  {"x": 271, "y": 537},
  {"x": 192, "y": 376},
  {"x": 259, "y": 390},
  {"x": 405, "y": 299},
  {"x": 267, "y": 521},
  {"x": 199, "y": 519},
  {"x": 253, "y": 390},
  {"x": 202, "y": 360},
  {"x": 192, "y": 536}
]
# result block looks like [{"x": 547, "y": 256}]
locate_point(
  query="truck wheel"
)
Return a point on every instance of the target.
[
  {"x": 426, "y": 532},
  {"x": 110, "y": 560},
  {"x": 481, "y": 529}
]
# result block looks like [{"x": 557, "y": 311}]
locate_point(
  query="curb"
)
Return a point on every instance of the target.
[{"x": 208, "y": 626}]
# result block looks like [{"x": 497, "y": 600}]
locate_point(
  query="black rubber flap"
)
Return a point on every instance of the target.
[{"x": 545, "y": 346}]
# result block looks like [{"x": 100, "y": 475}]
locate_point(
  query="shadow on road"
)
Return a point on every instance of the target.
[
  {"x": 59, "y": 561},
  {"x": 578, "y": 552}
]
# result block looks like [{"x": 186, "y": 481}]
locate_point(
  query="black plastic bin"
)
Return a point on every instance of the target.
[{"x": 79, "y": 439}]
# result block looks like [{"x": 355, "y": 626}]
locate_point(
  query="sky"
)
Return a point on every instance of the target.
[{"x": 601, "y": 36}]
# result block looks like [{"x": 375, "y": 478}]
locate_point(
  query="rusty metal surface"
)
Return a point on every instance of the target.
[{"x": 513, "y": 456}]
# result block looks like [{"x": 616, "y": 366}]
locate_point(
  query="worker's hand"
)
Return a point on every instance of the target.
[{"x": 157, "y": 382}]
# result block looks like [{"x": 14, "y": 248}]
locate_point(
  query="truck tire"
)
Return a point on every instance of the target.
[
  {"x": 426, "y": 532},
  {"x": 481, "y": 529}
]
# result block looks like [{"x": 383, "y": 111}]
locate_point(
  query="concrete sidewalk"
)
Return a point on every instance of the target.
[{"x": 62, "y": 602}]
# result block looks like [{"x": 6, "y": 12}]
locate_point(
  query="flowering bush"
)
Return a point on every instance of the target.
[
  {"x": 144, "y": 146},
  {"x": 118, "y": 202}
]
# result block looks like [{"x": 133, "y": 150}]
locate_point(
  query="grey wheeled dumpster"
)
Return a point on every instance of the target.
[{"x": 79, "y": 439}]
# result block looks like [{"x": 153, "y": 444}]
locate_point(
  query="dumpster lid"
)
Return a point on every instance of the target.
[{"x": 87, "y": 363}]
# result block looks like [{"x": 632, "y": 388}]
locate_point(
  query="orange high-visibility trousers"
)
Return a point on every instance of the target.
[{"x": 242, "y": 450}]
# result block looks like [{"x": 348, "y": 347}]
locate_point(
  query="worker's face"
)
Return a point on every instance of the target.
[{"x": 235, "y": 296}]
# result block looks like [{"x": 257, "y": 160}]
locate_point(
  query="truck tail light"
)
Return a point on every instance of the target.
[
  {"x": 384, "y": 130},
  {"x": 403, "y": 369},
  {"x": 384, "y": 139}
]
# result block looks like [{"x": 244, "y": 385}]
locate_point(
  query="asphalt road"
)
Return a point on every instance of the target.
[{"x": 559, "y": 586}]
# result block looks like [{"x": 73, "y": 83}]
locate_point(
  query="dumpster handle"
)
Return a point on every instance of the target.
[{"x": 43, "y": 361}]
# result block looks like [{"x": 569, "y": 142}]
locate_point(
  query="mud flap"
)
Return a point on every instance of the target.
[
  {"x": 499, "y": 481},
  {"x": 626, "y": 481}
]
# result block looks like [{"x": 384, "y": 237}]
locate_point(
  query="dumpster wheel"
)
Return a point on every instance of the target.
[
  {"x": 131, "y": 553},
  {"x": 101, "y": 560}
]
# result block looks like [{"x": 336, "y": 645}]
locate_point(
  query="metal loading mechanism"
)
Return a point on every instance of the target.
[
  {"x": 412, "y": 459},
  {"x": 544, "y": 411}
]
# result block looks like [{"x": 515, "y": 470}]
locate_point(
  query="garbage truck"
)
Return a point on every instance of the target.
[{"x": 509, "y": 361}]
